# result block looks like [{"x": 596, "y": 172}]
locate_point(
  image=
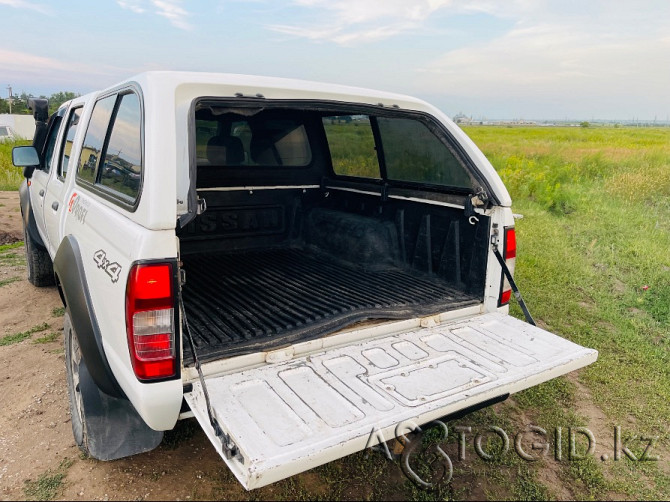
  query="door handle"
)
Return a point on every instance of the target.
[
  {"x": 54, "y": 206},
  {"x": 42, "y": 193}
]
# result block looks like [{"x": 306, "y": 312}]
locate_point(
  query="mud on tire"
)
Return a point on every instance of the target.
[
  {"x": 38, "y": 263},
  {"x": 104, "y": 427},
  {"x": 73, "y": 363}
]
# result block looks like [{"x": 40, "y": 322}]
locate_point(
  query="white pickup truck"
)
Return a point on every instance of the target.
[{"x": 295, "y": 264}]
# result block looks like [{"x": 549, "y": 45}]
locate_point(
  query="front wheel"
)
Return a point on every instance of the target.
[{"x": 38, "y": 262}]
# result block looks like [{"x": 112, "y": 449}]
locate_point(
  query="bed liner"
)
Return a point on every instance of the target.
[{"x": 239, "y": 303}]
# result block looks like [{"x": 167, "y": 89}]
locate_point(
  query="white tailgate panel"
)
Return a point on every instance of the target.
[{"x": 288, "y": 417}]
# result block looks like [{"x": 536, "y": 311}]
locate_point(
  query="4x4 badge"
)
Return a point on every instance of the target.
[{"x": 113, "y": 269}]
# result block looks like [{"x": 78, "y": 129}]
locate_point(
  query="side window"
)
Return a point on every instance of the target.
[
  {"x": 91, "y": 150},
  {"x": 352, "y": 146},
  {"x": 72, "y": 123},
  {"x": 121, "y": 169},
  {"x": 111, "y": 155},
  {"x": 50, "y": 144}
]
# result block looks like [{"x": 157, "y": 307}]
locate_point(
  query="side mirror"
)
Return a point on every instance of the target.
[{"x": 26, "y": 157}]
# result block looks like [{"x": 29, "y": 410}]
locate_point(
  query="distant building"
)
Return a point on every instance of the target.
[
  {"x": 461, "y": 118},
  {"x": 22, "y": 125},
  {"x": 522, "y": 122}
]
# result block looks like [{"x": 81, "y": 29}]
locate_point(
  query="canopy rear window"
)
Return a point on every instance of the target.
[
  {"x": 394, "y": 149},
  {"x": 321, "y": 140},
  {"x": 412, "y": 152}
]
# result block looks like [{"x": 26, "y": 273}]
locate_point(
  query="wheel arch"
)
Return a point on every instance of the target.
[
  {"x": 73, "y": 289},
  {"x": 29, "y": 222}
]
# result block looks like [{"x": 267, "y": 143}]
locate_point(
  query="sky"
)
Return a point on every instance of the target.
[{"x": 494, "y": 59}]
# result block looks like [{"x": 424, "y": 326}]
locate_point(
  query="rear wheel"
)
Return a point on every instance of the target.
[
  {"x": 38, "y": 261},
  {"x": 73, "y": 363},
  {"x": 104, "y": 427}
]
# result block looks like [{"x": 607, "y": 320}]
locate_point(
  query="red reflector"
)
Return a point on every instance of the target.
[
  {"x": 510, "y": 244},
  {"x": 509, "y": 255},
  {"x": 155, "y": 370}
]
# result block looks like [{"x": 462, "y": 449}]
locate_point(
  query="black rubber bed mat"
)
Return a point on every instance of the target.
[{"x": 242, "y": 303}]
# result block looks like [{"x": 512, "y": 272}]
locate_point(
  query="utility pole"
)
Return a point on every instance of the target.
[{"x": 9, "y": 87}]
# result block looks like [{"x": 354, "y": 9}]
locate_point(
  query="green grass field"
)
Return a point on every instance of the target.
[
  {"x": 594, "y": 266},
  {"x": 10, "y": 176}
]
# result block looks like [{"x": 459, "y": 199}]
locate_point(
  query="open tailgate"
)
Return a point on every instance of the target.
[{"x": 285, "y": 418}]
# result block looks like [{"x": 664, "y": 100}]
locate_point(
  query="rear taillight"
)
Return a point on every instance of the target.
[
  {"x": 509, "y": 255},
  {"x": 150, "y": 301}
]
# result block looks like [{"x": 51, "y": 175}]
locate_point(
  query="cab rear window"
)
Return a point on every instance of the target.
[{"x": 263, "y": 141}]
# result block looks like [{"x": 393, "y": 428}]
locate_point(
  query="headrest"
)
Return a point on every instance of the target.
[
  {"x": 225, "y": 151},
  {"x": 262, "y": 149}
]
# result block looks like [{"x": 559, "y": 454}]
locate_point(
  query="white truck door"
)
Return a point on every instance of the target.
[
  {"x": 284, "y": 418},
  {"x": 40, "y": 177},
  {"x": 54, "y": 203}
]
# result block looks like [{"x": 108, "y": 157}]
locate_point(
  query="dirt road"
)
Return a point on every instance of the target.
[{"x": 35, "y": 432}]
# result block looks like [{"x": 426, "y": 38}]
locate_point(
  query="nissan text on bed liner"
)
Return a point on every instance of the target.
[{"x": 294, "y": 264}]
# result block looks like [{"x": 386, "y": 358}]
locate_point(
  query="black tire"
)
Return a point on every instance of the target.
[
  {"x": 38, "y": 262},
  {"x": 104, "y": 427},
  {"x": 73, "y": 363}
]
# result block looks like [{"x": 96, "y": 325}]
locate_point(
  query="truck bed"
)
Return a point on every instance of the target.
[{"x": 238, "y": 303}]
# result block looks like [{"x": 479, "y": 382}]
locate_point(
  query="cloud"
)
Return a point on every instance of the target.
[
  {"x": 347, "y": 22},
  {"x": 22, "y": 4},
  {"x": 131, "y": 6},
  {"x": 24, "y": 62},
  {"x": 341, "y": 36},
  {"x": 362, "y": 11},
  {"x": 565, "y": 60},
  {"x": 556, "y": 57},
  {"x": 169, "y": 9},
  {"x": 30, "y": 70}
]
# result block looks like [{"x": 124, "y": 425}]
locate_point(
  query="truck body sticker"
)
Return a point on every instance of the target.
[
  {"x": 113, "y": 269},
  {"x": 78, "y": 207}
]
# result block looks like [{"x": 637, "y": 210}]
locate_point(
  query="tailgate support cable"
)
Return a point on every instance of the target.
[
  {"x": 228, "y": 446},
  {"x": 515, "y": 289}
]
